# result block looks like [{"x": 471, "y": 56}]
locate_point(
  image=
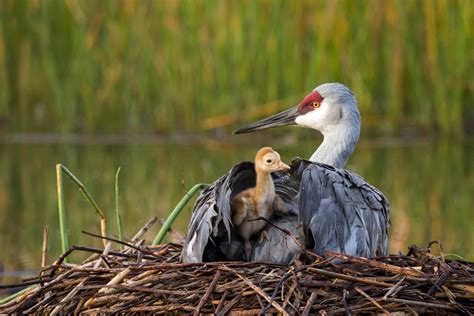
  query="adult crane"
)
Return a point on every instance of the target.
[{"x": 326, "y": 207}]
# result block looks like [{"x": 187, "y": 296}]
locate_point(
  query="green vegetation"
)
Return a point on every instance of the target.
[{"x": 167, "y": 66}]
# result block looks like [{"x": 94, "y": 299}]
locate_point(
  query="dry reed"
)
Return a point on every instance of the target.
[{"x": 151, "y": 279}]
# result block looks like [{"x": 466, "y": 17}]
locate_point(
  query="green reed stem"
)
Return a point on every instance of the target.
[
  {"x": 84, "y": 191},
  {"x": 62, "y": 218},
  {"x": 117, "y": 210},
  {"x": 177, "y": 210},
  {"x": 61, "y": 210}
]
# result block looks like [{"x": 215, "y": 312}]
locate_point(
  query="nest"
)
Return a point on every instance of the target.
[{"x": 153, "y": 280}]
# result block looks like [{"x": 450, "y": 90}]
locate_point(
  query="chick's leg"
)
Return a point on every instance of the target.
[{"x": 248, "y": 249}]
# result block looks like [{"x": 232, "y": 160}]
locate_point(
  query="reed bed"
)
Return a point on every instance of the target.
[
  {"x": 163, "y": 66},
  {"x": 151, "y": 279}
]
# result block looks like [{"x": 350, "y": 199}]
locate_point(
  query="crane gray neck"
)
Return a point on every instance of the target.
[{"x": 339, "y": 142}]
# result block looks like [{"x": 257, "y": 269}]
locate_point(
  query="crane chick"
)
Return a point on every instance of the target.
[{"x": 257, "y": 202}]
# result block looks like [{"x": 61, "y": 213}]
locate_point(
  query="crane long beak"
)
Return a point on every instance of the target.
[{"x": 286, "y": 117}]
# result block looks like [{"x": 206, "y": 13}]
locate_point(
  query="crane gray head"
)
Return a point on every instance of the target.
[{"x": 329, "y": 107}]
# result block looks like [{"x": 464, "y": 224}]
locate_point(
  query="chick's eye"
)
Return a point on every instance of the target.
[
  {"x": 315, "y": 104},
  {"x": 269, "y": 161}
]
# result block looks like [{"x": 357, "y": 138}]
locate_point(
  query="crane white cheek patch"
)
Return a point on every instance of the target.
[{"x": 313, "y": 119}]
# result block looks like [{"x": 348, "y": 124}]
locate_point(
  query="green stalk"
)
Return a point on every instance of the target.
[
  {"x": 62, "y": 212},
  {"x": 117, "y": 210},
  {"x": 177, "y": 210},
  {"x": 83, "y": 189},
  {"x": 59, "y": 169}
]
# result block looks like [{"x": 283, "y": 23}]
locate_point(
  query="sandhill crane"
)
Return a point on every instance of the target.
[{"x": 329, "y": 208}]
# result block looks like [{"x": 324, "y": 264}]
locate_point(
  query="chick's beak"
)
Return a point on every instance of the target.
[{"x": 284, "y": 166}]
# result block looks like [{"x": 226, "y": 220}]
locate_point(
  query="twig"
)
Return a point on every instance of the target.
[
  {"x": 309, "y": 304},
  {"x": 348, "y": 278},
  {"x": 288, "y": 295},
  {"x": 45, "y": 246},
  {"x": 229, "y": 305},
  {"x": 41, "y": 302},
  {"x": 394, "y": 289},
  {"x": 22, "y": 284},
  {"x": 418, "y": 303},
  {"x": 144, "y": 229},
  {"x": 118, "y": 218},
  {"x": 262, "y": 294},
  {"x": 208, "y": 292},
  {"x": 279, "y": 284},
  {"x": 57, "y": 263},
  {"x": 62, "y": 258},
  {"x": 79, "y": 306},
  {"x": 371, "y": 299},
  {"x": 376, "y": 264},
  {"x": 105, "y": 290},
  {"x": 221, "y": 302},
  {"x": 135, "y": 288},
  {"x": 120, "y": 242},
  {"x": 439, "y": 283}
]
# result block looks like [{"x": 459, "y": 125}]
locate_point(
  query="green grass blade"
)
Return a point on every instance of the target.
[
  {"x": 59, "y": 169},
  {"x": 61, "y": 210},
  {"x": 84, "y": 191}
]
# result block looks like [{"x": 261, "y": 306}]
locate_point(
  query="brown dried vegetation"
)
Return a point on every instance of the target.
[{"x": 152, "y": 280}]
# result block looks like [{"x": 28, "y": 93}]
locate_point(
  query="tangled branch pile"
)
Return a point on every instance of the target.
[{"x": 152, "y": 280}]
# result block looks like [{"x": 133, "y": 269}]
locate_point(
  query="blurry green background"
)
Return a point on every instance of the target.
[
  {"x": 167, "y": 66},
  {"x": 157, "y": 87}
]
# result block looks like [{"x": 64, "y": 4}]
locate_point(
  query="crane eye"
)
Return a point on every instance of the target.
[
  {"x": 315, "y": 104},
  {"x": 269, "y": 161}
]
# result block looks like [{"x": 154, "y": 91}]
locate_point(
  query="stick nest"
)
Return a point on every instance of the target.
[{"x": 152, "y": 280}]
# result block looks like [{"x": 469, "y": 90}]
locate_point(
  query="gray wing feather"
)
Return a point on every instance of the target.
[
  {"x": 341, "y": 212},
  {"x": 279, "y": 248},
  {"x": 211, "y": 218},
  {"x": 201, "y": 223}
]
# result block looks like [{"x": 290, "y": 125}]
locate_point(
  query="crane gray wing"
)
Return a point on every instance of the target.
[
  {"x": 210, "y": 222},
  {"x": 339, "y": 211},
  {"x": 279, "y": 248}
]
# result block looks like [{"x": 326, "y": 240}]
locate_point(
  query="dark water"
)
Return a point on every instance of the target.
[{"x": 430, "y": 186}]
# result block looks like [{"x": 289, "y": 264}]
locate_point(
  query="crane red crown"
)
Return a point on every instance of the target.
[{"x": 305, "y": 105}]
